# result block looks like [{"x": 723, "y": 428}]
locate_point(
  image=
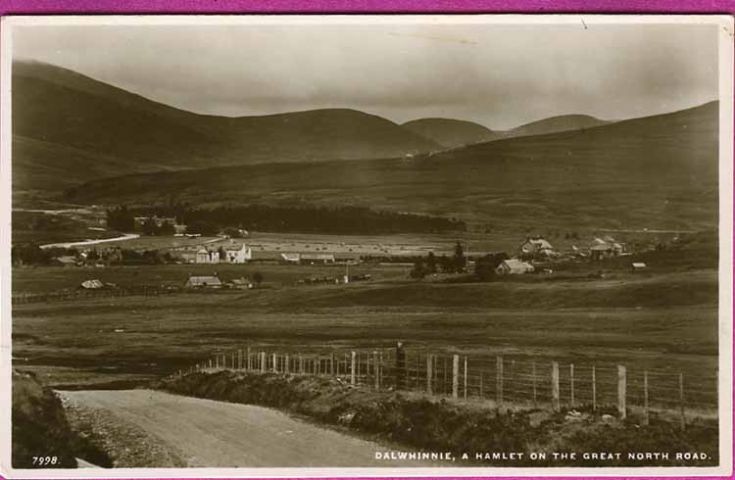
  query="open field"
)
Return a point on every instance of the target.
[{"x": 659, "y": 321}]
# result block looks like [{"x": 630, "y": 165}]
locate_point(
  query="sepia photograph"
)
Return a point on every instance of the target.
[{"x": 350, "y": 245}]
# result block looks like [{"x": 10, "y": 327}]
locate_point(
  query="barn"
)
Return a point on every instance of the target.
[{"x": 203, "y": 281}]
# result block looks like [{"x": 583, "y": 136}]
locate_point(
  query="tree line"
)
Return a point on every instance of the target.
[{"x": 344, "y": 220}]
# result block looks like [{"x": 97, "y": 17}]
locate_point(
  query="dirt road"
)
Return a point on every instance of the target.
[{"x": 206, "y": 433}]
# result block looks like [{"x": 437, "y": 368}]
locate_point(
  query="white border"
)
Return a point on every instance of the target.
[{"x": 726, "y": 32}]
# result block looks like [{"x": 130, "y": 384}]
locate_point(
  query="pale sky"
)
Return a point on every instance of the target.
[{"x": 498, "y": 75}]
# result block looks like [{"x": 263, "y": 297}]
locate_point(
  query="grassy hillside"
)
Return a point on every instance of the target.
[
  {"x": 449, "y": 132},
  {"x": 453, "y": 133},
  {"x": 653, "y": 172},
  {"x": 64, "y": 122},
  {"x": 559, "y": 123}
]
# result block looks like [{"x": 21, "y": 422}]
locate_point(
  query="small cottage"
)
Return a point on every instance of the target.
[{"x": 513, "y": 266}]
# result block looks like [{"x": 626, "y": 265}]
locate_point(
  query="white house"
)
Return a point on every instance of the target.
[
  {"x": 536, "y": 246},
  {"x": 513, "y": 266},
  {"x": 237, "y": 253}
]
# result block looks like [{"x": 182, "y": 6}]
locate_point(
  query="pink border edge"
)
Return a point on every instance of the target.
[{"x": 131, "y": 7}]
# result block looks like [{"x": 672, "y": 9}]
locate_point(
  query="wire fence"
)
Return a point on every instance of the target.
[{"x": 505, "y": 382}]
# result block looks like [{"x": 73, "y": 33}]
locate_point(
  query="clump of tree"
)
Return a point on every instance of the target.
[
  {"x": 485, "y": 266},
  {"x": 30, "y": 254},
  {"x": 120, "y": 219},
  {"x": 430, "y": 264},
  {"x": 301, "y": 218}
]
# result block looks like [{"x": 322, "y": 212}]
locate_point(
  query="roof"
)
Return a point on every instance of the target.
[
  {"x": 515, "y": 265},
  {"x": 639, "y": 265},
  {"x": 92, "y": 284},
  {"x": 601, "y": 247},
  {"x": 204, "y": 280},
  {"x": 291, "y": 257},
  {"x": 66, "y": 259},
  {"x": 236, "y": 247},
  {"x": 539, "y": 243},
  {"x": 317, "y": 256}
]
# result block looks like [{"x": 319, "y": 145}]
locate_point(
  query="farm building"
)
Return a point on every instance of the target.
[
  {"x": 236, "y": 252},
  {"x": 203, "y": 281},
  {"x": 638, "y": 266},
  {"x": 290, "y": 257},
  {"x": 536, "y": 247},
  {"x": 513, "y": 266},
  {"x": 606, "y": 248},
  {"x": 308, "y": 258}
]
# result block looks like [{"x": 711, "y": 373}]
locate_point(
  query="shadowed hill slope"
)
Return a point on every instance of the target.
[
  {"x": 69, "y": 128},
  {"x": 449, "y": 132},
  {"x": 659, "y": 170}
]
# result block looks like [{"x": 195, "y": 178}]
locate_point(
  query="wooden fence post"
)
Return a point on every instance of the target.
[
  {"x": 380, "y": 368},
  {"x": 571, "y": 384},
  {"x": 331, "y": 363},
  {"x": 375, "y": 370},
  {"x": 594, "y": 390},
  {"x": 352, "y": 368},
  {"x": 646, "y": 418},
  {"x": 233, "y": 361},
  {"x": 400, "y": 366},
  {"x": 533, "y": 382},
  {"x": 682, "y": 416},
  {"x": 465, "y": 377},
  {"x": 285, "y": 363},
  {"x": 275, "y": 363},
  {"x": 250, "y": 364},
  {"x": 499, "y": 381},
  {"x": 555, "y": 386},
  {"x": 301, "y": 364},
  {"x": 262, "y": 362},
  {"x": 239, "y": 359},
  {"x": 429, "y": 373},
  {"x": 455, "y": 376},
  {"x": 622, "y": 386}
]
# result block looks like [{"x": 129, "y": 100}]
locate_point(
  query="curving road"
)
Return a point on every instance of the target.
[{"x": 208, "y": 433}]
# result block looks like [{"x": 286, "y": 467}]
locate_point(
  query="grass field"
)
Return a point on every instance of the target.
[{"x": 658, "y": 321}]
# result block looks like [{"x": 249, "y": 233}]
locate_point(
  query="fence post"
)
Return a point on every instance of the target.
[
  {"x": 429, "y": 373},
  {"x": 380, "y": 368},
  {"x": 275, "y": 363},
  {"x": 262, "y": 362},
  {"x": 400, "y": 366},
  {"x": 555, "y": 386},
  {"x": 499, "y": 381},
  {"x": 646, "y": 418},
  {"x": 233, "y": 361},
  {"x": 465, "y": 377},
  {"x": 376, "y": 380},
  {"x": 285, "y": 363},
  {"x": 681, "y": 402},
  {"x": 455, "y": 376},
  {"x": 250, "y": 363},
  {"x": 594, "y": 390},
  {"x": 622, "y": 385},
  {"x": 239, "y": 359},
  {"x": 352, "y": 368},
  {"x": 571, "y": 384},
  {"x": 533, "y": 381},
  {"x": 301, "y": 364},
  {"x": 331, "y": 363}
]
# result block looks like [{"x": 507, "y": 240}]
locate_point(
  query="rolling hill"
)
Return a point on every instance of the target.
[
  {"x": 652, "y": 172},
  {"x": 451, "y": 133},
  {"x": 69, "y": 128},
  {"x": 555, "y": 124}
]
